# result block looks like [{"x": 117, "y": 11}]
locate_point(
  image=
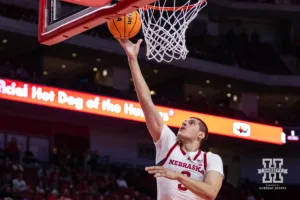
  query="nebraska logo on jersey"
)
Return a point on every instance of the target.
[
  {"x": 187, "y": 166},
  {"x": 241, "y": 129}
]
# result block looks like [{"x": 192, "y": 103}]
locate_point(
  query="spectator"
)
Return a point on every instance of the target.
[
  {"x": 17, "y": 166},
  {"x": 93, "y": 160},
  {"x": 19, "y": 184},
  {"x": 41, "y": 172},
  {"x": 122, "y": 182},
  {"x": 136, "y": 195},
  {"x": 87, "y": 160},
  {"x": 55, "y": 183},
  {"x": 13, "y": 150},
  {"x": 68, "y": 178},
  {"x": 101, "y": 197},
  {"x": 6, "y": 69},
  {"x": 65, "y": 195},
  {"x": 29, "y": 157},
  {"x": 94, "y": 189},
  {"x": 84, "y": 188},
  {"x": 2, "y": 156},
  {"x": 102, "y": 189},
  {"x": 250, "y": 196},
  {"x": 7, "y": 164},
  {"x": 22, "y": 73},
  {"x": 41, "y": 188},
  {"x": 6, "y": 193},
  {"x": 64, "y": 152},
  {"x": 53, "y": 195},
  {"x": 71, "y": 187},
  {"x": 76, "y": 196},
  {"x": 7, "y": 179},
  {"x": 54, "y": 156}
]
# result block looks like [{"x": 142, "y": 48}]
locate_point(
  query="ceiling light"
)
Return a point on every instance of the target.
[
  {"x": 207, "y": 81},
  {"x": 286, "y": 98},
  {"x": 257, "y": 97},
  {"x": 74, "y": 55},
  {"x": 152, "y": 92},
  {"x": 234, "y": 98},
  {"x": 200, "y": 92},
  {"x": 228, "y": 95},
  {"x": 155, "y": 71},
  {"x": 45, "y": 73},
  {"x": 4, "y": 41},
  {"x": 228, "y": 85},
  {"x": 279, "y": 105},
  {"x": 276, "y": 122},
  {"x": 95, "y": 69},
  {"x": 104, "y": 73},
  {"x": 98, "y": 59},
  {"x": 63, "y": 66}
]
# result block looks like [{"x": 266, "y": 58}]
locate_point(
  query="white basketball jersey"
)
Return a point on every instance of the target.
[{"x": 192, "y": 164}]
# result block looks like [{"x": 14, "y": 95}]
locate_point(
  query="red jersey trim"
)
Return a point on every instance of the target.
[
  {"x": 197, "y": 155},
  {"x": 184, "y": 153},
  {"x": 205, "y": 162},
  {"x": 169, "y": 153}
]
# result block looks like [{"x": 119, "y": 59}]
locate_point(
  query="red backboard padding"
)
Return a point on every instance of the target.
[
  {"x": 85, "y": 23},
  {"x": 90, "y": 3}
]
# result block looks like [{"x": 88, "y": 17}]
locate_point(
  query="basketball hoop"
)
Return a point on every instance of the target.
[{"x": 164, "y": 28}]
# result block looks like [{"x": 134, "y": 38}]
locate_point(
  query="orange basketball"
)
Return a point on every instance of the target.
[{"x": 125, "y": 27}]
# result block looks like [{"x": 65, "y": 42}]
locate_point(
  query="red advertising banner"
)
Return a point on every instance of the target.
[{"x": 130, "y": 110}]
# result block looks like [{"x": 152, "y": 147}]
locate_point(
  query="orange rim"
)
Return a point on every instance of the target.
[{"x": 173, "y": 8}]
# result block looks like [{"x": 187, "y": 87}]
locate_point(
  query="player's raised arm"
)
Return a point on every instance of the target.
[{"x": 153, "y": 119}]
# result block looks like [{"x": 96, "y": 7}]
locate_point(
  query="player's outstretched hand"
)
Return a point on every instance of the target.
[
  {"x": 159, "y": 171},
  {"x": 131, "y": 49}
]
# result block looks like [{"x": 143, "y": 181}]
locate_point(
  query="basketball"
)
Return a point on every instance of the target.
[{"x": 126, "y": 26}]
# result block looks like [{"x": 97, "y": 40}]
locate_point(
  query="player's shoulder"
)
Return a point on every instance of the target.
[
  {"x": 214, "y": 163},
  {"x": 166, "y": 128},
  {"x": 167, "y": 132},
  {"x": 213, "y": 156},
  {"x": 167, "y": 138},
  {"x": 209, "y": 153}
]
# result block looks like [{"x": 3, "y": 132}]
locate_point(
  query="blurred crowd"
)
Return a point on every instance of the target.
[
  {"x": 16, "y": 71},
  {"x": 69, "y": 175}
]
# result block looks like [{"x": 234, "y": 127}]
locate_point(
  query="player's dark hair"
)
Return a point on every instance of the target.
[{"x": 203, "y": 128}]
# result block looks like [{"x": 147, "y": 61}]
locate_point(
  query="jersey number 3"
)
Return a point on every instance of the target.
[{"x": 180, "y": 186}]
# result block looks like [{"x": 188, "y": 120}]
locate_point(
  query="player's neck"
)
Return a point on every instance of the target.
[{"x": 190, "y": 147}]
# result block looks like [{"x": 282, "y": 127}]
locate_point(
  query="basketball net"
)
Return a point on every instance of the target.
[{"x": 164, "y": 28}]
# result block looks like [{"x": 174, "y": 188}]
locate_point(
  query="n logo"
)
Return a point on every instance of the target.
[{"x": 272, "y": 170}]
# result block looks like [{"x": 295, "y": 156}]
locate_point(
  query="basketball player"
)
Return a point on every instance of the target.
[{"x": 183, "y": 172}]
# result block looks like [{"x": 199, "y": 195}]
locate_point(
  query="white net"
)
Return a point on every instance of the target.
[{"x": 164, "y": 28}]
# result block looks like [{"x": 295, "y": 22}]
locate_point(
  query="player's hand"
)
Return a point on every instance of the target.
[
  {"x": 159, "y": 171},
  {"x": 131, "y": 49}
]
